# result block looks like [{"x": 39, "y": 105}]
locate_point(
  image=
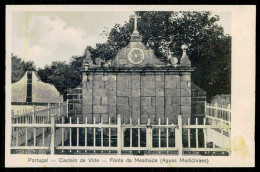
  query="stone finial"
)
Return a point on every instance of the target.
[
  {"x": 108, "y": 63},
  {"x": 86, "y": 66},
  {"x": 185, "y": 61},
  {"x": 135, "y": 17},
  {"x": 87, "y": 58},
  {"x": 87, "y": 61},
  {"x": 184, "y": 47},
  {"x": 173, "y": 60},
  {"x": 135, "y": 37},
  {"x": 98, "y": 61}
]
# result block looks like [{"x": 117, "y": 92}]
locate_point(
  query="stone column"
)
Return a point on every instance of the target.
[
  {"x": 185, "y": 96},
  {"x": 111, "y": 86},
  {"x": 136, "y": 86},
  {"x": 172, "y": 97},
  {"x": 87, "y": 83},
  {"x": 123, "y": 93},
  {"x": 160, "y": 93},
  {"x": 100, "y": 96},
  {"x": 148, "y": 98}
]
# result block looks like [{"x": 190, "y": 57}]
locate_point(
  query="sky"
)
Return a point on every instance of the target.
[{"x": 43, "y": 37}]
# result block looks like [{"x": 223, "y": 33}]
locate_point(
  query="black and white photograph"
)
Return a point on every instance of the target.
[{"x": 129, "y": 86}]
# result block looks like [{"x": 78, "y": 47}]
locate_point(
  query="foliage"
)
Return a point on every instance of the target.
[
  {"x": 19, "y": 67},
  {"x": 62, "y": 75},
  {"x": 118, "y": 38},
  {"x": 165, "y": 32}
]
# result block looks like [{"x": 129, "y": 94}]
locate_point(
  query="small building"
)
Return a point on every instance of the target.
[{"x": 30, "y": 90}]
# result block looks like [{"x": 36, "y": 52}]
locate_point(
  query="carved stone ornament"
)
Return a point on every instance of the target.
[
  {"x": 174, "y": 61},
  {"x": 136, "y": 56},
  {"x": 185, "y": 61}
]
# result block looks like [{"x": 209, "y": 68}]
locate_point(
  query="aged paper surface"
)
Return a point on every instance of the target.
[{"x": 242, "y": 27}]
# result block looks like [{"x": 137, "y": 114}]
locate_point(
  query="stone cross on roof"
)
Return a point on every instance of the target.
[{"x": 135, "y": 17}]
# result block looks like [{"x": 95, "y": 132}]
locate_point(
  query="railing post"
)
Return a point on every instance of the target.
[
  {"x": 205, "y": 110},
  {"x": 179, "y": 136},
  {"x": 119, "y": 130},
  {"x": 52, "y": 145},
  {"x": 216, "y": 110},
  {"x": 49, "y": 114},
  {"x": 148, "y": 136},
  {"x": 228, "y": 113},
  {"x": 59, "y": 112},
  {"x": 34, "y": 107},
  {"x": 12, "y": 115},
  {"x": 67, "y": 109}
]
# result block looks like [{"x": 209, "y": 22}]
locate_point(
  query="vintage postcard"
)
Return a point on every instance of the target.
[{"x": 130, "y": 86}]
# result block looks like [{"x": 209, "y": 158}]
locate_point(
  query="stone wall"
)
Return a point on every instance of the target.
[{"x": 143, "y": 95}]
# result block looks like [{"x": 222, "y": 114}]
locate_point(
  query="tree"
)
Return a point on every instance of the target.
[
  {"x": 63, "y": 75},
  {"x": 164, "y": 32},
  {"x": 19, "y": 67},
  {"x": 118, "y": 38}
]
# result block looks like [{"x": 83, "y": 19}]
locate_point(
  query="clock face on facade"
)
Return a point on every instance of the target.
[{"x": 136, "y": 56}]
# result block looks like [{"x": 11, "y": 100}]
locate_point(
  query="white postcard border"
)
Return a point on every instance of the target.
[{"x": 243, "y": 91}]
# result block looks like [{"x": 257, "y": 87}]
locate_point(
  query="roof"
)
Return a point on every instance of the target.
[
  {"x": 41, "y": 92},
  {"x": 193, "y": 86}
]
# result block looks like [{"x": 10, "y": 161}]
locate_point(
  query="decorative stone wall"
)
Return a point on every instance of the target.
[
  {"x": 136, "y": 84},
  {"x": 150, "y": 94}
]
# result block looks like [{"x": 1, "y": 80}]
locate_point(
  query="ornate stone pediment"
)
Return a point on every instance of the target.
[{"x": 136, "y": 54}]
